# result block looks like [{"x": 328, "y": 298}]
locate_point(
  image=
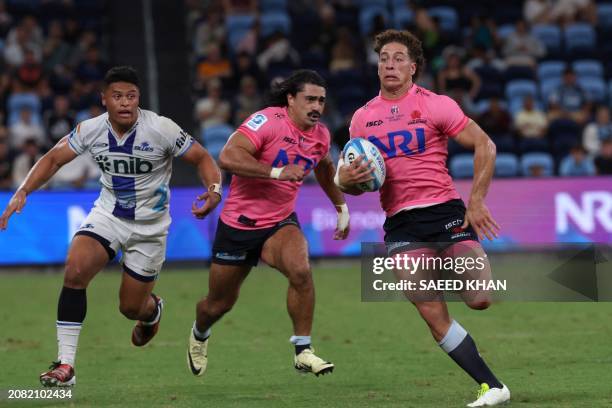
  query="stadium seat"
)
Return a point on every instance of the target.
[
  {"x": 272, "y": 22},
  {"x": 529, "y": 145},
  {"x": 588, "y": 68},
  {"x": 462, "y": 165},
  {"x": 549, "y": 35},
  {"x": 551, "y": 69},
  {"x": 215, "y": 137},
  {"x": 366, "y": 17},
  {"x": 595, "y": 88},
  {"x": 237, "y": 26},
  {"x": 506, "y": 165},
  {"x": 402, "y": 17},
  {"x": 604, "y": 15},
  {"x": 543, "y": 160},
  {"x": 579, "y": 38},
  {"x": 505, "y": 30},
  {"x": 449, "y": 19},
  {"x": 519, "y": 88},
  {"x": 492, "y": 82},
  {"x": 547, "y": 87},
  {"x": 272, "y": 5},
  {"x": 18, "y": 101}
]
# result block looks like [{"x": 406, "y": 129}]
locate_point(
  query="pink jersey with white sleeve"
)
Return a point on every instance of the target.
[
  {"x": 255, "y": 203},
  {"x": 412, "y": 134}
]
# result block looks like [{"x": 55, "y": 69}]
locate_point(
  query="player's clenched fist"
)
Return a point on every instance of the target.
[
  {"x": 15, "y": 205},
  {"x": 292, "y": 172}
]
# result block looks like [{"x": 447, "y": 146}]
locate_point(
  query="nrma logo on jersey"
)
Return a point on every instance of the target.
[
  {"x": 129, "y": 165},
  {"x": 397, "y": 142}
]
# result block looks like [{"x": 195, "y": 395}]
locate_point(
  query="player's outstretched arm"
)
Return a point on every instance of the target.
[
  {"x": 477, "y": 213},
  {"x": 42, "y": 171},
  {"x": 324, "y": 173},
  {"x": 209, "y": 173},
  {"x": 238, "y": 157}
]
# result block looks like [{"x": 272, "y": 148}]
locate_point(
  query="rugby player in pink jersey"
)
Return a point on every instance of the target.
[
  {"x": 269, "y": 155},
  {"x": 425, "y": 215}
]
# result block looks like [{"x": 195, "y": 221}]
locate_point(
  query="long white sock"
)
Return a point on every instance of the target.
[{"x": 67, "y": 341}]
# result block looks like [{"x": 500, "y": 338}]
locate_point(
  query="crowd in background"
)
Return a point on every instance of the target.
[
  {"x": 532, "y": 73},
  {"x": 52, "y": 62}
]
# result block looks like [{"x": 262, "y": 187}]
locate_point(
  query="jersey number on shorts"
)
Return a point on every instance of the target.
[{"x": 405, "y": 137}]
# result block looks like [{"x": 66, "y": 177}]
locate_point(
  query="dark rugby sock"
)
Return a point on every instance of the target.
[{"x": 461, "y": 348}]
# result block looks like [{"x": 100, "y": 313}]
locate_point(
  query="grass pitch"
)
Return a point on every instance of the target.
[{"x": 549, "y": 354}]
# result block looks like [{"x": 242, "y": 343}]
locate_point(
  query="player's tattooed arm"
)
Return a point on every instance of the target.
[
  {"x": 324, "y": 172},
  {"x": 238, "y": 157},
  {"x": 42, "y": 171},
  {"x": 477, "y": 214},
  {"x": 209, "y": 174}
]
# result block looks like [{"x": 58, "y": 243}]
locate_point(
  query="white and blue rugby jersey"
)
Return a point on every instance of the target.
[{"x": 136, "y": 168}]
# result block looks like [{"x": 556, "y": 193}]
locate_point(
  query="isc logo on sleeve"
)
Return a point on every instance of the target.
[{"x": 257, "y": 121}]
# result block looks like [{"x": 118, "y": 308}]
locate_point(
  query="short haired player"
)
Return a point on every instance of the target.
[
  {"x": 269, "y": 155},
  {"x": 411, "y": 125},
  {"x": 134, "y": 149}
]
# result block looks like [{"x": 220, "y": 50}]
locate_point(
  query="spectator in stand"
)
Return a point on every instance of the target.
[
  {"x": 455, "y": 79},
  {"x": 209, "y": 31},
  {"x": 483, "y": 33},
  {"x": 577, "y": 163},
  {"x": 570, "y": 99},
  {"x": 343, "y": 55},
  {"x": 214, "y": 66},
  {"x": 521, "y": 48},
  {"x": 5, "y": 20},
  {"x": 278, "y": 50},
  {"x": 213, "y": 109},
  {"x": 530, "y": 122},
  {"x": 244, "y": 65},
  {"x": 495, "y": 120},
  {"x": 25, "y": 129},
  {"x": 595, "y": 133},
  {"x": 55, "y": 50},
  {"x": 247, "y": 101},
  {"x": 6, "y": 161},
  {"x": 603, "y": 161},
  {"x": 30, "y": 71},
  {"x": 428, "y": 31},
  {"x": 60, "y": 121},
  {"x": 92, "y": 68},
  {"x": 25, "y": 161}
]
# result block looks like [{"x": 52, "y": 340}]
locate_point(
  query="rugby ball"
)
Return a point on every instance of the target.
[{"x": 363, "y": 147}]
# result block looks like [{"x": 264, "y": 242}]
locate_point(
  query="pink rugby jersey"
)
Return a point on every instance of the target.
[
  {"x": 255, "y": 203},
  {"x": 412, "y": 135}
]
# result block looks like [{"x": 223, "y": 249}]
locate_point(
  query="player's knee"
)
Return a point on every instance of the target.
[
  {"x": 479, "y": 304},
  {"x": 130, "y": 311},
  {"x": 75, "y": 276},
  {"x": 300, "y": 277},
  {"x": 221, "y": 307}
]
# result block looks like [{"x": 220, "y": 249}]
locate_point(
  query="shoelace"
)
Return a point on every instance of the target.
[{"x": 482, "y": 391}]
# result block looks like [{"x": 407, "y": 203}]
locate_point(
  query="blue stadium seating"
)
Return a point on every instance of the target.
[
  {"x": 506, "y": 165},
  {"x": 519, "y": 88},
  {"x": 595, "y": 88},
  {"x": 543, "y": 160},
  {"x": 237, "y": 26},
  {"x": 366, "y": 18},
  {"x": 462, "y": 165},
  {"x": 18, "y": 101},
  {"x": 588, "y": 68},
  {"x": 449, "y": 19},
  {"x": 402, "y": 17},
  {"x": 604, "y": 15},
  {"x": 547, "y": 87},
  {"x": 579, "y": 37},
  {"x": 551, "y": 69},
  {"x": 505, "y": 30},
  {"x": 550, "y": 36},
  {"x": 274, "y": 21},
  {"x": 215, "y": 137},
  {"x": 272, "y": 5}
]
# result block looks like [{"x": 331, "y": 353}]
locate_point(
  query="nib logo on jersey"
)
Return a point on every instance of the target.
[{"x": 127, "y": 165}]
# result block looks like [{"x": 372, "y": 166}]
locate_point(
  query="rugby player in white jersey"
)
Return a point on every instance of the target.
[{"x": 134, "y": 149}]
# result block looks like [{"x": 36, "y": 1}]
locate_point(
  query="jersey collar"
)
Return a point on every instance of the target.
[
  {"x": 121, "y": 140},
  {"x": 411, "y": 91}
]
